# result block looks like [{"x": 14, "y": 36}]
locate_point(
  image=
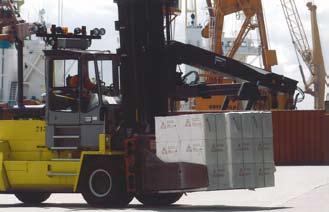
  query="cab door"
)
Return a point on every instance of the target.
[
  {"x": 91, "y": 122},
  {"x": 63, "y": 114}
]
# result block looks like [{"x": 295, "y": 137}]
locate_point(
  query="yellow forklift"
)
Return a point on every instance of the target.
[{"x": 96, "y": 137}]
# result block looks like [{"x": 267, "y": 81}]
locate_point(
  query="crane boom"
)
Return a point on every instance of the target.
[
  {"x": 313, "y": 58},
  {"x": 297, "y": 30}
]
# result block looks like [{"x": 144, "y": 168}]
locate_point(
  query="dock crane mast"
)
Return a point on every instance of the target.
[{"x": 313, "y": 58}]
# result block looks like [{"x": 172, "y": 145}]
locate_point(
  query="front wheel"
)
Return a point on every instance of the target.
[
  {"x": 104, "y": 186},
  {"x": 159, "y": 199},
  {"x": 32, "y": 198}
]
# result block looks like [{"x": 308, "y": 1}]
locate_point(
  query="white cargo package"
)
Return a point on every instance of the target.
[
  {"x": 237, "y": 175},
  {"x": 169, "y": 152},
  {"x": 268, "y": 149},
  {"x": 225, "y": 179},
  {"x": 234, "y": 150},
  {"x": 213, "y": 175},
  {"x": 233, "y": 125},
  {"x": 258, "y": 150},
  {"x": 249, "y": 175},
  {"x": 248, "y": 150},
  {"x": 193, "y": 152},
  {"x": 252, "y": 137},
  {"x": 233, "y": 131},
  {"x": 223, "y": 152},
  {"x": 269, "y": 170},
  {"x": 199, "y": 152},
  {"x": 267, "y": 124},
  {"x": 251, "y": 124},
  {"x": 221, "y": 126},
  {"x": 212, "y": 150},
  {"x": 259, "y": 175},
  {"x": 184, "y": 127},
  {"x": 160, "y": 129},
  {"x": 166, "y": 129},
  {"x": 197, "y": 127},
  {"x": 236, "y": 147}
]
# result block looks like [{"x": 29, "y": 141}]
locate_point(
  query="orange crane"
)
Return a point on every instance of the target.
[
  {"x": 254, "y": 19},
  {"x": 313, "y": 58}
]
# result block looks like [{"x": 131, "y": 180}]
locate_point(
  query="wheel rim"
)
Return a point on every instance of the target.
[{"x": 100, "y": 183}]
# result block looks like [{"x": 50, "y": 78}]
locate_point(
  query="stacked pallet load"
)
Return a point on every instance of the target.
[{"x": 237, "y": 148}]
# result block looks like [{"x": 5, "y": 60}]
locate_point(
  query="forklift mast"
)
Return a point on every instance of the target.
[{"x": 144, "y": 73}]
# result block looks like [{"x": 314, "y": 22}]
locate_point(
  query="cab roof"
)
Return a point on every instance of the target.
[{"x": 62, "y": 54}]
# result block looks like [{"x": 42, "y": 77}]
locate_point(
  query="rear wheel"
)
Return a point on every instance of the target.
[
  {"x": 32, "y": 198},
  {"x": 104, "y": 186},
  {"x": 159, "y": 199}
]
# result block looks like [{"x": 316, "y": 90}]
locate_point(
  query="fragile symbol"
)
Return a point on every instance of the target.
[
  {"x": 242, "y": 172},
  {"x": 215, "y": 148},
  {"x": 189, "y": 148},
  {"x": 164, "y": 151},
  {"x": 163, "y": 125},
  {"x": 188, "y": 123}
]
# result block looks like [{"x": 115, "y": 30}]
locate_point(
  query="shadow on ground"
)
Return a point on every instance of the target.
[{"x": 82, "y": 207}]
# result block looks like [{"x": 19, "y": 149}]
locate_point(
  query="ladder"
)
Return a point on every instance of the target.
[
  {"x": 66, "y": 137},
  {"x": 13, "y": 93}
]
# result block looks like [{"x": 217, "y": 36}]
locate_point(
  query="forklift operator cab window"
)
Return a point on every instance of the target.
[
  {"x": 73, "y": 91},
  {"x": 109, "y": 82},
  {"x": 104, "y": 69},
  {"x": 63, "y": 97},
  {"x": 89, "y": 94}
]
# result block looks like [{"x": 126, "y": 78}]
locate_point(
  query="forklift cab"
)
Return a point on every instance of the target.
[{"x": 77, "y": 97}]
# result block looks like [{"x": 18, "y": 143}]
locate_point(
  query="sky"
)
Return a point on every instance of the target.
[{"x": 103, "y": 13}]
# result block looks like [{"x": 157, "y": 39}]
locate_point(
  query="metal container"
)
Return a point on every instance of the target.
[
  {"x": 325, "y": 139},
  {"x": 301, "y": 137}
]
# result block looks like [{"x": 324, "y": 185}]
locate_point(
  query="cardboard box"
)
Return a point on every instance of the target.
[
  {"x": 234, "y": 150},
  {"x": 249, "y": 173},
  {"x": 184, "y": 124},
  {"x": 251, "y": 124},
  {"x": 221, "y": 126},
  {"x": 166, "y": 129},
  {"x": 225, "y": 179},
  {"x": 248, "y": 150},
  {"x": 237, "y": 148},
  {"x": 258, "y": 150},
  {"x": 269, "y": 170},
  {"x": 233, "y": 125},
  {"x": 223, "y": 152},
  {"x": 259, "y": 175},
  {"x": 211, "y": 152},
  {"x": 193, "y": 152},
  {"x": 168, "y": 152},
  {"x": 267, "y": 124},
  {"x": 197, "y": 127},
  {"x": 213, "y": 175},
  {"x": 268, "y": 150},
  {"x": 237, "y": 175}
]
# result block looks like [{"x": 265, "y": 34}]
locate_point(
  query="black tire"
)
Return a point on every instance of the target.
[
  {"x": 32, "y": 198},
  {"x": 159, "y": 199},
  {"x": 104, "y": 186}
]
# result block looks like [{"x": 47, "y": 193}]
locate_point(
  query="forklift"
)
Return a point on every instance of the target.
[{"x": 97, "y": 137}]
